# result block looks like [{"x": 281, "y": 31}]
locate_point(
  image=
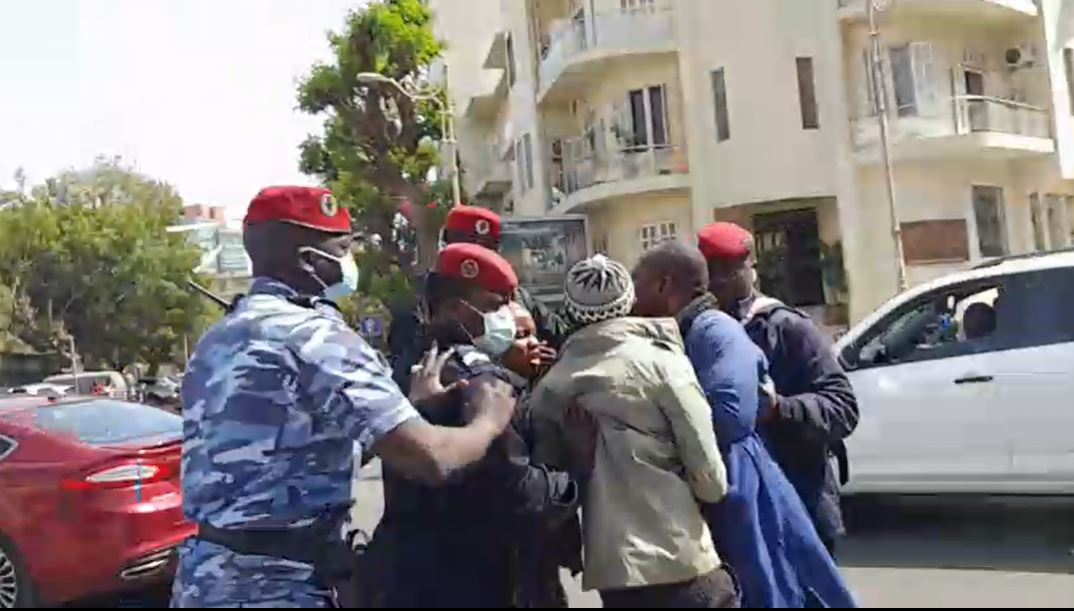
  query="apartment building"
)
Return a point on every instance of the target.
[{"x": 655, "y": 117}]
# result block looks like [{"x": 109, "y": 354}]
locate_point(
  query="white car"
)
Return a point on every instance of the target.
[{"x": 966, "y": 384}]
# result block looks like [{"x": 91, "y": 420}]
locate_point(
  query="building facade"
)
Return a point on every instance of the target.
[
  {"x": 223, "y": 255},
  {"x": 655, "y": 117}
]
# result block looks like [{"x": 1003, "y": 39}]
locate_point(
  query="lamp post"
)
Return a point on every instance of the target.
[
  {"x": 880, "y": 95},
  {"x": 447, "y": 117}
]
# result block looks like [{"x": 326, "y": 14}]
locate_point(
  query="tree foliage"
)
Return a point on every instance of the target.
[
  {"x": 88, "y": 256},
  {"x": 378, "y": 145}
]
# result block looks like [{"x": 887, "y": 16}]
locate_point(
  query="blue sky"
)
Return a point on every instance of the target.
[{"x": 199, "y": 93}]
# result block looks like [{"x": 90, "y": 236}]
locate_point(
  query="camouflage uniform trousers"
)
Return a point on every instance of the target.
[{"x": 211, "y": 576}]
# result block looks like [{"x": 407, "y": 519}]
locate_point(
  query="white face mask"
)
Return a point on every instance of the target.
[
  {"x": 500, "y": 332},
  {"x": 348, "y": 269}
]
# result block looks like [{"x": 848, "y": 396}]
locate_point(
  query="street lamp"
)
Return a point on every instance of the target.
[
  {"x": 447, "y": 117},
  {"x": 880, "y": 95}
]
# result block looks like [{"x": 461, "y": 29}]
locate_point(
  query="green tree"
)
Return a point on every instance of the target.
[
  {"x": 378, "y": 145},
  {"x": 90, "y": 254}
]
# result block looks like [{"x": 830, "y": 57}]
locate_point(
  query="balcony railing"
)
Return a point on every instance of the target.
[
  {"x": 577, "y": 172},
  {"x": 969, "y": 114},
  {"x": 977, "y": 113},
  {"x": 626, "y": 31}
]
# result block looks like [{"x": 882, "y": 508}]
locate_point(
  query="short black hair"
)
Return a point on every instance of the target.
[
  {"x": 683, "y": 265},
  {"x": 440, "y": 289}
]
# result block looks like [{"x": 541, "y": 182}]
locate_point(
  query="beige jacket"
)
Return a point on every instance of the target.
[{"x": 656, "y": 455}]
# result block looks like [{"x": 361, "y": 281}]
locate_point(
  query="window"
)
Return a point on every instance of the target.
[
  {"x": 640, "y": 132},
  {"x": 512, "y": 68},
  {"x": 658, "y": 112},
  {"x": 109, "y": 423},
  {"x": 7, "y": 446},
  {"x": 871, "y": 107},
  {"x": 637, "y": 6},
  {"x": 656, "y": 234},
  {"x": 951, "y": 322},
  {"x": 527, "y": 144},
  {"x": 1056, "y": 215},
  {"x": 1005, "y": 313},
  {"x": 1040, "y": 239},
  {"x": 648, "y": 118},
  {"x": 719, "y": 94},
  {"x": 807, "y": 95},
  {"x": 902, "y": 75},
  {"x": 1068, "y": 61},
  {"x": 988, "y": 209},
  {"x": 520, "y": 167}
]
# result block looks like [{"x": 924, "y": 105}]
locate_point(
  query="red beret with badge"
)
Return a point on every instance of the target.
[
  {"x": 475, "y": 221},
  {"x": 725, "y": 241},
  {"x": 479, "y": 265},
  {"x": 303, "y": 206}
]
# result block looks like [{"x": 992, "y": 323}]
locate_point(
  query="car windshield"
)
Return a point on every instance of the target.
[{"x": 109, "y": 423}]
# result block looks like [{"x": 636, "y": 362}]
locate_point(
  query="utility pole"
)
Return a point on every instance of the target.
[{"x": 880, "y": 95}]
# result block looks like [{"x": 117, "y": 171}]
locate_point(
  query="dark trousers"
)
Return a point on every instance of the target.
[{"x": 717, "y": 590}]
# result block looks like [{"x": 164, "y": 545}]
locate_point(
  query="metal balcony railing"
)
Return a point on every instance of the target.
[
  {"x": 576, "y": 173},
  {"x": 966, "y": 114},
  {"x": 977, "y": 113},
  {"x": 626, "y": 30}
]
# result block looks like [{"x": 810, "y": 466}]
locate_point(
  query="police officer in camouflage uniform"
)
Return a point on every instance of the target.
[{"x": 278, "y": 398}]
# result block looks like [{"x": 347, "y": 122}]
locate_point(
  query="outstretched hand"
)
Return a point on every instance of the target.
[{"x": 426, "y": 387}]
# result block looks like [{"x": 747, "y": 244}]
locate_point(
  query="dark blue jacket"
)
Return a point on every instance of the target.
[
  {"x": 817, "y": 409},
  {"x": 761, "y": 529}
]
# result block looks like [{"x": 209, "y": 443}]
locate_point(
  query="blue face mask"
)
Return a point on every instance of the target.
[{"x": 348, "y": 269}]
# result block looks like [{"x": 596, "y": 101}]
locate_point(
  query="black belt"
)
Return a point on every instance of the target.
[{"x": 299, "y": 544}]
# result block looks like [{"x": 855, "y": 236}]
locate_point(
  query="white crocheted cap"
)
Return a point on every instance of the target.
[{"x": 598, "y": 289}]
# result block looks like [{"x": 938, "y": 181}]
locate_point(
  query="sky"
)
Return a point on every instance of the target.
[{"x": 198, "y": 93}]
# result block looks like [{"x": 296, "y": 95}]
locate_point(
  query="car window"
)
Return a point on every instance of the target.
[
  {"x": 7, "y": 446},
  {"x": 953, "y": 322},
  {"x": 107, "y": 422},
  {"x": 1036, "y": 309}
]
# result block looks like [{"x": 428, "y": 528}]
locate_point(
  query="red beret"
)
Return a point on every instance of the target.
[
  {"x": 304, "y": 206},
  {"x": 474, "y": 221},
  {"x": 725, "y": 241},
  {"x": 477, "y": 264}
]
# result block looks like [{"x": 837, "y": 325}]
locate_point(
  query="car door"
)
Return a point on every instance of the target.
[
  {"x": 929, "y": 420},
  {"x": 1033, "y": 373}
]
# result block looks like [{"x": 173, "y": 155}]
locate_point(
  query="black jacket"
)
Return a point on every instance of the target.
[
  {"x": 817, "y": 410},
  {"x": 496, "y": 536},
  {"x": 406, "y": 334}
]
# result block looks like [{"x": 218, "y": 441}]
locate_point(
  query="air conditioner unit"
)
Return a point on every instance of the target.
[{"x": 1022, "y": 56}]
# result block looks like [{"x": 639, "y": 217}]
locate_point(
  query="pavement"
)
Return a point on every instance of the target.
[{"x": 946, "y": 552}]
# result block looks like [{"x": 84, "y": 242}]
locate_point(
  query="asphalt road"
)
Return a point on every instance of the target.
[
  {"x": 922, "y": 552},
  {"x": 906, "y": 552}
]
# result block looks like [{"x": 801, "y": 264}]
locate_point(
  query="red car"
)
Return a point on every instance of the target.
[{"x": 90, "y": 499}]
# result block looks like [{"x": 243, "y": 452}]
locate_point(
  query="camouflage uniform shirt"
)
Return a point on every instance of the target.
[{"x": 277, "y": 399}]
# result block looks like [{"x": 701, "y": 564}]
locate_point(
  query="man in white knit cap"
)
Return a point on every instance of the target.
[{"x": 656, "y": 458}]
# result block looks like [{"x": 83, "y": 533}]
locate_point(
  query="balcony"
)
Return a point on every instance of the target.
[
  {"x": 578, "y": 48},
  {"x": 486, "y": 106},
  {"x": 991, "y": 10},
  {"x": 977, "y": 126},
  {"x": 491, "y": 172},
  {"x": 584, "y": 180}
]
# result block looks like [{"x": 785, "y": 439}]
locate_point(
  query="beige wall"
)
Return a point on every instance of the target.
[
  {"x": 619, "y": 222},
  {"x": 769, "y": 155}
]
